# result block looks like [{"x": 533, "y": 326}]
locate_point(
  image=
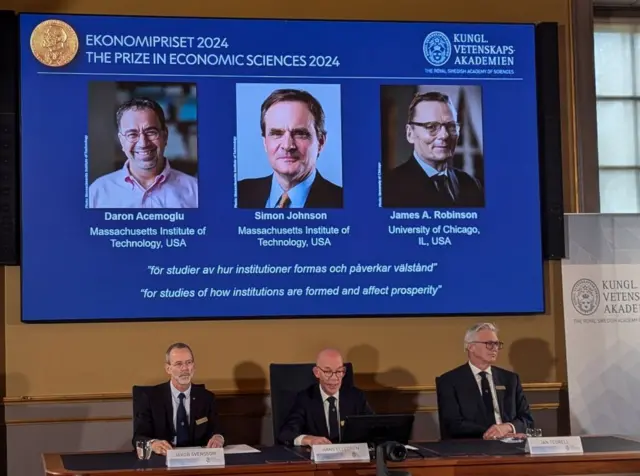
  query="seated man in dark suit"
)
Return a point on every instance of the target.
[
  {"x": 428, "y": 179},
  {"x": 177, "y": 413},
  {"x": 478, "y": 400},
  {"x": 317, "y": 412},
  {"x": 293, "y": 132}
]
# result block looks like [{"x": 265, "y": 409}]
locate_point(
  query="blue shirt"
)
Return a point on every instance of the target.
[
  {"x": 430, "y": 171},
  {"x": 298, "y": 194}
]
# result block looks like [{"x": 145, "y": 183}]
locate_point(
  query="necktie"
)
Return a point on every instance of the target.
[
  {"x": 334, "y": 428},
  {"x": 441, "y": 182},
  {"x": 487, "y": 398},
  {"x": 182, "y": 424},
  {"x": 284, "y": 201}
]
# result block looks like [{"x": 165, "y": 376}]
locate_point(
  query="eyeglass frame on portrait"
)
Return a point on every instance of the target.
[
  {"x": 132, "y": 137},
  {"x": 452, "y": 127}
]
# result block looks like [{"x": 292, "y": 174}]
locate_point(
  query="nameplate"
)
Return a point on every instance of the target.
[
  {"x": 561, "y": 445},
  {"x": 340, "y": 452},
  {"x": 190, "y": 457}
]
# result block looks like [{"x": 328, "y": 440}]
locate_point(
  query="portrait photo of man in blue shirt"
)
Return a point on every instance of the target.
[{"x": 292, "y": 124}]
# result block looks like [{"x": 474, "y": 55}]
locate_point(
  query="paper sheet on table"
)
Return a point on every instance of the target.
[
  {"x": 511, "y": 440},
  {"x": 239, "y": 449}
]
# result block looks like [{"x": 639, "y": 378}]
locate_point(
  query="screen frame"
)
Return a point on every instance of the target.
[{"x": 538, "y": 65}]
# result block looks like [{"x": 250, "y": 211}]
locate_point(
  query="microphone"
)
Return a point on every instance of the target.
[{"x": 390, "y": 451}]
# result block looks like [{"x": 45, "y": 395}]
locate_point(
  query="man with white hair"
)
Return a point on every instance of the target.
[{"x": 477, "y": 399}]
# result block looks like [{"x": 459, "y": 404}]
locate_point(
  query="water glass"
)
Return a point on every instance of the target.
[
  {"x": 534, "y": 432},
  {"x": 143, "y": 450}
]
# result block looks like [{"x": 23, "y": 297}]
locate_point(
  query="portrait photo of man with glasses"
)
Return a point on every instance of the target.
[
  {"x": 432, "y": 148},
  {"x": 153, "y": 161}
]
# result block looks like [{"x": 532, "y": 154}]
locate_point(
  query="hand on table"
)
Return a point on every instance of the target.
[
  {"x": 216, "y": 441},
  {"x": 496, "y": 432},
  {"x": 315, "y": 440},
  {"x": 160, "y": 447}
]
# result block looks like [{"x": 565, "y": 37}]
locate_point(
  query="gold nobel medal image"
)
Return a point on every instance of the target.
[{"x": 54, "y": 43}]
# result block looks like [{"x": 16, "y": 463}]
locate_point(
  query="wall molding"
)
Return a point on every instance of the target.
[
  {"x": 127, "y": 418},
  {"x": 111, "y": 397}
]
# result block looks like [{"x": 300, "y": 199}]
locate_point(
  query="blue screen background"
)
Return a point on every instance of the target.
[{"x": 69, "y": 275}]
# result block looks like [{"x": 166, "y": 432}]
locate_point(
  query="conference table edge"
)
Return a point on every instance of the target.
[
  {"x": 54, "y": 466},
  {"x": 483, "y": 460}
]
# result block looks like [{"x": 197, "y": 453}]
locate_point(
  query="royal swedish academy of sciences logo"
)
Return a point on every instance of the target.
[
  {"x": 436, "y": 48},
  {"x": 54, "y": 43},
  {"x": 585, "y": 297}
]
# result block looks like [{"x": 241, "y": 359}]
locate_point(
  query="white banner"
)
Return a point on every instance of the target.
[{"x": 601, "y": 294}]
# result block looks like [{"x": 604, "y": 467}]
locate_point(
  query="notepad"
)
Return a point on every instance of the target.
[{"x": 239, "y": 449}]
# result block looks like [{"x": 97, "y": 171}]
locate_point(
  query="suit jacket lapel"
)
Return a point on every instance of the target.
[
  {"x": 262, "y": 191},
  {"x": 194, "y": 409},
  {"x": 495, "y": 373},
  {"x": 318, "y": 412},
  {"x": 315, "y": 191},
  {"x": 474, "y": 390},
  {"x": 168, "y": 408},
  {"x": 454, "y": 183},
  {"x": 344, "y": 407},
  {"x": 418, "y": 173}
]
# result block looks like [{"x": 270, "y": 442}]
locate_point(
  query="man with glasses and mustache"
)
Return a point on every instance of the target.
[
  {"x": 478, "y": 399},
  {"x": 146, "y": 180},
  {"x": 177, "y": 413},
  {"x": 293, "y": 133},
  {"x": 318, "y": 410},
  {"x": 428, "y": 178}
]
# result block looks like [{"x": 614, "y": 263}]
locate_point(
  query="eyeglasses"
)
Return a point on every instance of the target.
[
  {"x": 328, "y": 373},
  {"x": 133, "y": 136},
  {"x": 188, "y": 363},
  {"x": 490, "y": 344},
  {"x": 453, "y": 128}
]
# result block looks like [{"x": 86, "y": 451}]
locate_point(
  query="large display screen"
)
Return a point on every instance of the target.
[{"x": 224, "y": 168}]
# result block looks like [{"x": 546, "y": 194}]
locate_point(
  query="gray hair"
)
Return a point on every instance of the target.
[
  {"x": 177, "y": 345},
  {"x": 471, "y": 333}
]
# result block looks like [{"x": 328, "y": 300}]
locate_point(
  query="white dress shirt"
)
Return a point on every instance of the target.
[
  {"x": 175, "y": 402},
  {"x": 494, "y": 396},
  {"x": 326, "y": 405}
]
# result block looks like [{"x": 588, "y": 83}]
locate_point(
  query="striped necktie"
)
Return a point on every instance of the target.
[{"x": 284, "y": 201}]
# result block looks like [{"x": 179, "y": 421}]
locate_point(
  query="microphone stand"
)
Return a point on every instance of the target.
[{"x": 381, "y": 465}]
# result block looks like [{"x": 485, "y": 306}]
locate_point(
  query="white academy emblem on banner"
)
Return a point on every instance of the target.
[{"x": 601, "y": 294}]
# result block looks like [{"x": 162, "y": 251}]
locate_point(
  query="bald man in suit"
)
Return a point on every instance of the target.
[{"x": 318, "y": 410}]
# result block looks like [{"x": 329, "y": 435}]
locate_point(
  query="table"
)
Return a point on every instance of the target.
[
  {"x": 602, "y": 455},
  {"x": 271, "y": 460}
]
